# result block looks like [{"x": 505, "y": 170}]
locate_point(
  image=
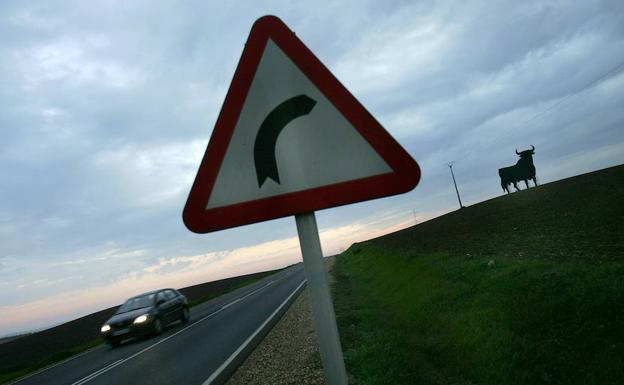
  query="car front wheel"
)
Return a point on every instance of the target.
[
  {"x": 157, "y": 326},
  {"x": 185, "y": 314}
]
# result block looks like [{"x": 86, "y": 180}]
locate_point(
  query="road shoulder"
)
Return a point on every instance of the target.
[{"x": 289, "y": 354}]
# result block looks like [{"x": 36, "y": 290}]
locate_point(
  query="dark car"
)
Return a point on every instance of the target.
[{"x": 145, "y": 314}]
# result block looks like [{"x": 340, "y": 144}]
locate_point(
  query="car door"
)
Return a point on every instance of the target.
[
  {"x": 164, "y": 307},
  {"x": 176, "y": 304}
]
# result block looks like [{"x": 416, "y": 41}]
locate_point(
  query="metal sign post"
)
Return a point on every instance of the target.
[{"x": 322, "y": 307}]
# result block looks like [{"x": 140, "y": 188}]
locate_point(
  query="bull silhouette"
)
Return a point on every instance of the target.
[{"x": 522, "y": 170}]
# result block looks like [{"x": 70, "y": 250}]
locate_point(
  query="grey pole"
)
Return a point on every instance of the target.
[
  {"x": 455, "y": 183},
  {"x": 320, "y": 297}
]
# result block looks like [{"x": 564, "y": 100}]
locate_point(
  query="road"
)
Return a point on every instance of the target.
[{"x": 201, "y": 352}]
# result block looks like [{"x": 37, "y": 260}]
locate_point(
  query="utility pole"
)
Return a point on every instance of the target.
[{"x": 450, "y": 165}]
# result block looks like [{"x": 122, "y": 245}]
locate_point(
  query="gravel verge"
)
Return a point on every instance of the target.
[{"x": 289, "y": 354}]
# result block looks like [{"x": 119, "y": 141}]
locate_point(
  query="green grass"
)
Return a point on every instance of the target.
[
  {"x": 13, "y": 373},
  {"x": 428, "y": 306},
  {"x": 440, "y": 319}
]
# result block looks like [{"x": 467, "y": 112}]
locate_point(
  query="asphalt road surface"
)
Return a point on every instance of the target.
[{"x": 197, "y": 353}]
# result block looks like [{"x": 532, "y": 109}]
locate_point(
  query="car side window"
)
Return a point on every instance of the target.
[{"x": 161, "y": 296}]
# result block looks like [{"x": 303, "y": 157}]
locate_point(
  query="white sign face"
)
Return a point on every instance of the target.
[
  {"x": 313, "y": 148},
  {"x": 290, "y": 139}
]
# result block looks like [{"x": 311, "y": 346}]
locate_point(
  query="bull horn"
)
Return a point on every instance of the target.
[
  {"x": 517, "y": 151},
  {"x": 532, "y": 148}
]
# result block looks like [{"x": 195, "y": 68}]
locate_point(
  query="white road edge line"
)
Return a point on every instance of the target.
[
  {"x": 52, "y": 366},
  {"x": 119, "y": 362},
  {"x": 231, "y": 358}
]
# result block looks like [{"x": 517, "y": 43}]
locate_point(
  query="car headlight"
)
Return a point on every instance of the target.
[
  {"x": 140, "y": 319},
  {"x": 105, "y": 328}
]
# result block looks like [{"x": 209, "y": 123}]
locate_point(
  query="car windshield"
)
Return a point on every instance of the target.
[{"x": 137, "y": 303}]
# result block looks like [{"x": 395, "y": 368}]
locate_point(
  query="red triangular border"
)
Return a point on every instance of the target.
[{"x": 404, "y": 178}]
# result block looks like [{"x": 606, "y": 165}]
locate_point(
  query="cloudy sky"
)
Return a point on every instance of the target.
[{"x": 106, "y": 108}]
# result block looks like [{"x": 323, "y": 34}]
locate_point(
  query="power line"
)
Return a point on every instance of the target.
[{"x": 614, "y": 70}]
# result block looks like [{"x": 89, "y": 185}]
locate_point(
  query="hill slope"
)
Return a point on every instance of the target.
[
  {"x": 521, "y": 289},
  {"x": 582, "y": 216}
]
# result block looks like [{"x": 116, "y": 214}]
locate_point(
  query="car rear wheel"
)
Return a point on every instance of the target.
[
  {"x": 185, "y": 314},
  {"x": 157, "y": 326}
]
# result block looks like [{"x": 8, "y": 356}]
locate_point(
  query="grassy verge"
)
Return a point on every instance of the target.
[
  {"x": 11, "y": 373},
  {"x": 485, "y": 296},
  {"x": 441, "y": 319}
]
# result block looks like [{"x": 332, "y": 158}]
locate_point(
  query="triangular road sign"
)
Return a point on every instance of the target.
[{"x": 290, "y": 139}]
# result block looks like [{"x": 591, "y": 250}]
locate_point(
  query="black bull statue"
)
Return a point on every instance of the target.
[{"x": 522, "y": 170}]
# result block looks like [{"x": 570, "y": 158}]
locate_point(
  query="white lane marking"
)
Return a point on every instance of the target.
[
  {"x": 248, "y": 294},
  {"x": 231, "y": 303},
  {"x": 224, "y": 365},
  {"x": 95, "y": 374},
  {"x": 117, "y": 363}
]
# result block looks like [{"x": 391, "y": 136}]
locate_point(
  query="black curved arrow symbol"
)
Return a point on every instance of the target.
[{"x": 276, "y": 120}]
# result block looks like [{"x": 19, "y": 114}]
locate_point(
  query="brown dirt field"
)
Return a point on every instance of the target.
[{"x": 521, "y": 224}]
